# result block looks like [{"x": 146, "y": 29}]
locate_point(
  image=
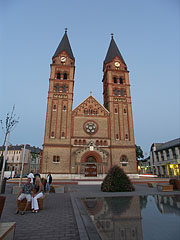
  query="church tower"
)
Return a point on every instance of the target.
[
  {"x": 57, "y": 139},
  {"x": 117, "y": 99}
]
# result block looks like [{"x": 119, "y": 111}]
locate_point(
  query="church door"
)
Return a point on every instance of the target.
[{"x": 90, "y": 167}]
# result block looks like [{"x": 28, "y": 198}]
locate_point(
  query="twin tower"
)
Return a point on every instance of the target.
[{"x": 86, "y": 141}]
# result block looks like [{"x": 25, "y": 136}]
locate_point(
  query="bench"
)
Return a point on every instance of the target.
[
  {"x": 165, "y": 188},
  {"x": 22, "y": 204},
  {"x": 7, "y": 230}
]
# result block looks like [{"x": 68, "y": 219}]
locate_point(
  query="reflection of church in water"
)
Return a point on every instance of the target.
[
  {"x": 89, "y": 139},
  {"x": 116, "y": 218}
]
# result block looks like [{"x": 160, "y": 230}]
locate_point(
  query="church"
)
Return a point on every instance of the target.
[{"x": 85, "y": 142}]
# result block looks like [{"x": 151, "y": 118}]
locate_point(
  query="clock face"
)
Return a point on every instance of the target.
[
  {"x": 90, "y": 127},
  {"x": 117, "y": 64},
  {"x": 63, "y": 59}
]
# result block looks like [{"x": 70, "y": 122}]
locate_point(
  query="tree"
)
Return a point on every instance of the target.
[
  {"x": 139, "y": 153},
  {"x": 10, "y": 124}
]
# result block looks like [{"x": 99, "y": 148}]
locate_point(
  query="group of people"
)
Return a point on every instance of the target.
[{"x": 32, "y": 190}]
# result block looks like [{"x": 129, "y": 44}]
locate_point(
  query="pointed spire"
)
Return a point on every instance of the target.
[
  {"x": 113, "y": 51},
  {"x": 64, "y": 45}
]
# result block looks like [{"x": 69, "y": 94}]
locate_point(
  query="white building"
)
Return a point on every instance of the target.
[
  {"x": 15, "y": 155},
  {"x": 165, "y": 158}
]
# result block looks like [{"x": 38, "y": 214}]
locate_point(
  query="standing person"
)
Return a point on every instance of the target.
[
  {"x": 31, "y": 176},
  {"x": 48, "y": 183},
  {"x": 38, "y": 193},
  {"x": 25, "y": 192}
]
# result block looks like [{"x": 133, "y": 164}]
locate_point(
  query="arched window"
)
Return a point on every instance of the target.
[
  {"x": 125, "y": 111},
  {"x": 97, "y": 142},
  {"x": 54, "y": 107},
  {"x": 90, "y": 111},
  {"x": 52, "y": 134},
  {"x": 57, "y": 88},
  {"x": 84, "y": 142},
  {"x": 115, "y": 79},
  {"x": 75, "y": 141},
  {"x": 115, "y": 110},
  {"x": 127, "y": 137},
  {"x": 105, "y": 143},
  {"x": 101, "y": 142},
  {"x": 122, "y": 92},
  {"x": 58, "y": 75},
  {"x": 121, "y": 80},
  {"x": 123, "y": 160},
  {"x": 65, "y": 76},
  {"x": 117, "y": 136},
  {"x": 64, "y": 108},
  {"x": 86, "y": 111},
  {"x": 115, "y": 91},
  {"x": 62, "y": 134},
  {"x": 64, "y": 88}
]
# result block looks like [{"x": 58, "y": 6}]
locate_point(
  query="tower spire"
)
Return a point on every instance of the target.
[
  {"x": 113, "y": 51},
  {"x": 64, "y": 46}
]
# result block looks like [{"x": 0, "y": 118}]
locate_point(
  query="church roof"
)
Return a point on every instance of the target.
[
  {"x": 113, "y": 52},
  {"x": 93, "y": 102},
  {"x": 64, "y": 46}
]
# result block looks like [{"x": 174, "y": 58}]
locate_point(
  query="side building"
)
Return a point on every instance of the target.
[
  {"x": 164, "y": 159},
  {"x": 15, "y": 155}
]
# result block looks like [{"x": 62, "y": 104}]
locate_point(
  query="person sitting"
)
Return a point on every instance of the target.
[
  {"x": 25, "y": 192},
  {"x": 37, "y": 193}
]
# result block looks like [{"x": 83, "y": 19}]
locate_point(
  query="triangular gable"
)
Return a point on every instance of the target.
[{"x": 90, "y": 107}]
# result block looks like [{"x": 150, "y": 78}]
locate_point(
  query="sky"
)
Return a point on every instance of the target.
[{"x": 146, "y": 32}]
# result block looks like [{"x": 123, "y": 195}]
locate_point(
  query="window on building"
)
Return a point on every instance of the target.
[
  {"x": 115, "y": 79},
  {"x": 121, "y": 80},
  {"x": 52, "y": 134},
  {"x": 90, "y": 111},
  {"x": 75, "y": 142},
  {"x": 95, "y": 112},
  {"x": 115, "y": 110},
  {"x": 127, "y": 137},
  {"x": 65, "y": 76},
  {"x": 64, "y": 88},
  {"x": 117, "y": 136},
  {"x": 125, "y": 111},
  {"x": 62, "y": 134},
  {"x": 58, "y": 75},
  {"x": 123, "y": 160},
  {"x": 86, "y": 111},
  {"x": 115, "y": 91},
  {"x": 56, "y": 159},
  {"x": 84, "y": 142},
  {"x": 122, "y": 92},
  {"x": 57, "y": 88},
  {"x": 54, "y": 107},
  {"x": 64, "y": 108}
]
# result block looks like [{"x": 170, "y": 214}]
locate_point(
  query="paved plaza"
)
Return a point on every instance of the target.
[{"x": 62, "y": 217}]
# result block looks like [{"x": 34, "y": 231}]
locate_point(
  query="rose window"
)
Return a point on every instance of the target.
[{"x": 90, "y": 127}]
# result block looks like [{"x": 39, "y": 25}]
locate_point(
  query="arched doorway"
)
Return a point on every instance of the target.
[{"x": 90, "y": 166}]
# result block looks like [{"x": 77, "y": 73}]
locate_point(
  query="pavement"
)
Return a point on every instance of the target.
[{"x": 63, "y": 216}]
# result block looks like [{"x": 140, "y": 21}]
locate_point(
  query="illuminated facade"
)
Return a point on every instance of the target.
[{"x": 165, "y": 158}]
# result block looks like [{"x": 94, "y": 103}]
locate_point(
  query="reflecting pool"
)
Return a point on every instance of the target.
[{"x": 149, "y": 217}]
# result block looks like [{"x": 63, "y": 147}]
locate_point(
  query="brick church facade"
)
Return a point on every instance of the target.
[{"x": 87, "y": 140}]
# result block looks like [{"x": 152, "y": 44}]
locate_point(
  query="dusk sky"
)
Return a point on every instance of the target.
[{"x": 146, "y": 32}]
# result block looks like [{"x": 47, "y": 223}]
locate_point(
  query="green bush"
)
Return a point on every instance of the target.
[{"x": 117, "y": 181}]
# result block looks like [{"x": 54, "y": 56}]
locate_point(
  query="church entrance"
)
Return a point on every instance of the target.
[{"x": 90, "y": 167}]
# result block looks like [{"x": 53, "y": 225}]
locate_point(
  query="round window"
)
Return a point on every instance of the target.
[{"x": 90, "y": 127}]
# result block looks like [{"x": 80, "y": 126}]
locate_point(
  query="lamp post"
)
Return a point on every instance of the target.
[{"x": 22, "y": 167}]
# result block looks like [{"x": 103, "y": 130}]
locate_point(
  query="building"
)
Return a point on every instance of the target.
[
  {"x": 15, "y": 156},
  {"x": 87, "y": 140},
  {"x": 165, "y": 158}
]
